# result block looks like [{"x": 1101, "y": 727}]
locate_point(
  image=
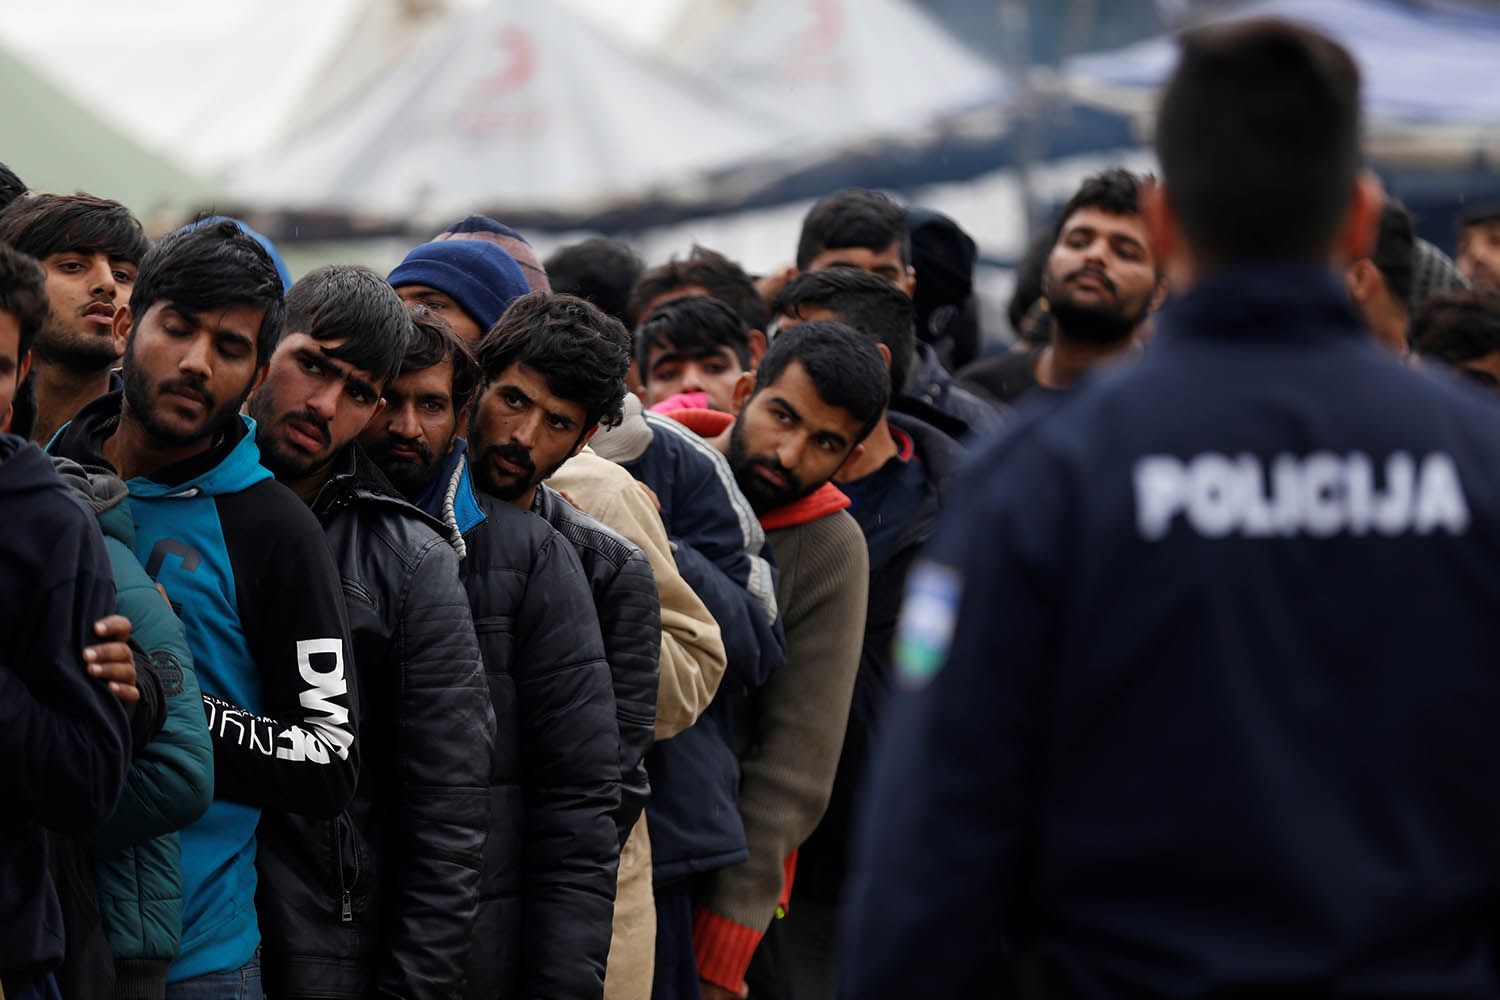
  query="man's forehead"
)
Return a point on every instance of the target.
[
  {"x": 1094, "y": 217},
  {"x": 796, "y": 388},
  {"x": 330, "y": 349},
  {"x": 434, "y": 378},
  {"x": 236, "y": 317},
  {"x": 535, "y": 385}
]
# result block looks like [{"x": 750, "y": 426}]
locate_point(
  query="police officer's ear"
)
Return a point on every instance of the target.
[
  {"x": 1361, "y": 225},
  {"x": 1162, "y": 233}
]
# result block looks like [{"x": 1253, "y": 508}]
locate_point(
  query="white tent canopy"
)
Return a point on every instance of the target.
[
  {"x": 842, "y": 71},
  {"x": 210, "y": 84},
  {"x": 514, "y": 105}
]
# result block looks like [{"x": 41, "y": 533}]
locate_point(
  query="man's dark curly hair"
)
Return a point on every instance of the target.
[
  {"x": 1116, "y": 191},
  {"x": 709, "y": 270},
  {"x": 582, "y": 352},
  {"x": 23, "y": 294}
]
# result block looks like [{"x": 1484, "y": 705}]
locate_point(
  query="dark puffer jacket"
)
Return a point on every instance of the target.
[
  {"x": 381, "y": 900},
  {"x": 547, "y": 887},
  {"x": 625, "y": 596}
]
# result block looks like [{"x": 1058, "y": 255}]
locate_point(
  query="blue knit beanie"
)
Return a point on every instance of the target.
[{"x": 479, "y": 276}]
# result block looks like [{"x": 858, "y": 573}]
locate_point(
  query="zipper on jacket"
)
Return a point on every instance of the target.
[{"x": 346, "y": 890}]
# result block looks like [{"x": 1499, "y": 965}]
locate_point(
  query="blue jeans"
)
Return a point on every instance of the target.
[{"x": 241, "y": 984}]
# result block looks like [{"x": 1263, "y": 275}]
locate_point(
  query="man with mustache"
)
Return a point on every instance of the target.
[
  {"x": 245, "y": 564},
  {"x": 1100, "y": 283},
  {"x": 89, "y": 249},
  {"x": 819, "y": 391},
  {"x": 547, "y": 886},
  {"x": 407, "y": 851}
]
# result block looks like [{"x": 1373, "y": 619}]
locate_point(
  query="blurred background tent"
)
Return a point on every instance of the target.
[{"x": 349, "y": 129}]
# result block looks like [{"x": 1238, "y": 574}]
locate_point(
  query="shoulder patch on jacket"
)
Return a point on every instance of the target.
[{"x": 925, "y": 629}]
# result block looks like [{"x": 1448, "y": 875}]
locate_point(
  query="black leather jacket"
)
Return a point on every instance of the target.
[
  {"x": 629, "y": 607},
  {"x": 547, "y": 891},
  {"x": 381, "y": 901}
]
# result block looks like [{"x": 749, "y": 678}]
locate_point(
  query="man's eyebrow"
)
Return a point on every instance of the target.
[
  {"x": 359, "y": 384},
  {"x": 843, "y": 442},
  {"x": 788, "y": 407},
  {"x": 505, "y": 387}
]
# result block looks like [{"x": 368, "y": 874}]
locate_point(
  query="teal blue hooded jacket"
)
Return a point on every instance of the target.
[{"x": 170, "y": 783}]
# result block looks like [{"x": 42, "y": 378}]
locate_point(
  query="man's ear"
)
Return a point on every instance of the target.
[
  {"x": 885, "y": 355},
  {"x": 1361, "y": 218},
  {"x": 119, "y": 329},
  {"x": 908, "y": 284},
  {"x": 757, "y": 348},
  {"x": 584, "y": 439},
  {"x": 1161, "y": 223},
  {"x": 460, "y": 425},
  {"x": 1362, "y": 280},
  {"x": 261, "y": 371},
  {"x": 744, "y": 388},
  {"x": 24, "y": 368}
]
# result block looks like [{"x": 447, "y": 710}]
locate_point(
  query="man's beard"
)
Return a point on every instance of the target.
[
  {"x": 1103, "y": 323},
  {"x": 83, "y": 353},
  {"x": 763, "y": 496},
  {"x": 138, "y": 396},
  {"x": 410, "y": 477},
  {"x": 285, "y": 464}
]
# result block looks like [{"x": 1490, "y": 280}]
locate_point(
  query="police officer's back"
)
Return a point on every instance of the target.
[{"x": 1204, "y": 674}]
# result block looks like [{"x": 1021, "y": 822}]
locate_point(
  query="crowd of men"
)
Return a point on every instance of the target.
[{"x": 572, "y": 629}]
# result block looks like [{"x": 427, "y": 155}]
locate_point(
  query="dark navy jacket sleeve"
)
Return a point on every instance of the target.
[
  {"x": 64, "y": 737},
  {"x": 296, "y": 623},
  {"x": 938, "y": 856},
  {"x": 755, "y": 647},
  {"x": 570, "y": 766}
]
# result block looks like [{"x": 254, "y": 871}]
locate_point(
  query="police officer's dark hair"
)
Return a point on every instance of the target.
[
  {"x": 1394, "y": 249},
  {"x": 692, "y": 325},
  {"x": 1116, "y": 191},
  {"x": 434, "y": 341},
  {"x": 864, "y": 301},
  {"x": 1258, "y": 134},
  {"x": 598, "y": 270},
  {"x": 208, "y": 267},
  {"x": 11, "y": 186},
  {"x": 23, "y": 294},
  {"x": 44, "y": 224},
  {"x": 853, "y": 217},
  {"x": 1454, "y": 327},
  {"x": 842, "y": 363},
  {"x": 356, "y": 305},
  {"x": 716, "y": 274},
  {"x": 582, "y": 352}
]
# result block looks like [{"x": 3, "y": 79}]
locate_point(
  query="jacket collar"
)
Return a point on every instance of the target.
[
  {"x": 356, "y": 479},
  {"x": 1297, "y": 300},
  {"x": 451, "y": 500}
]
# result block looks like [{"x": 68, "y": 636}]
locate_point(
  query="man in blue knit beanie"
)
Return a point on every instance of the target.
[{"x": 469, "y": 283}]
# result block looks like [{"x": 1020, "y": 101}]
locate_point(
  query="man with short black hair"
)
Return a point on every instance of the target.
[
  {"x": 547, "y": 885},
  {"x": 89, "y": 248},
  {"x": 1478, "y": 257},
  {"x": 65, "y": 740},
  {"x": 1381, "y": 283},
  {"x": 817, "y": 394},
  {"x": 695, "y": 346},
  {"x": 703, "y": 272},
  {"x": 415, "y": 830},
  {"x": 1100, "y": 282},
  {"x": 245, "y": 564},
  {"x": 1167, "y": 727},
  {"x": 1462, "y": 331},
  {"x": 11, "y": 186},
  {"x": 896, "y": 481}
]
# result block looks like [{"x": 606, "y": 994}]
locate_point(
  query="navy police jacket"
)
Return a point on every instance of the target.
[{"x": 1201, "y": 682}]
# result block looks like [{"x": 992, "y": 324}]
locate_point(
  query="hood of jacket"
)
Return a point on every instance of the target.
[
  {"x": 826, "y": 499},
  {"x": 24, "y": 468},
  {"x": 231, "y": 463},
  {"x": 451, "y": 501},
  {"x": 103, "y": 493}
]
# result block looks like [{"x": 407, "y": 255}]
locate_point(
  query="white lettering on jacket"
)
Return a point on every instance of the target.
[
  {"x": 330, "y": 721},
  {"x": 1320, "y": 495}
]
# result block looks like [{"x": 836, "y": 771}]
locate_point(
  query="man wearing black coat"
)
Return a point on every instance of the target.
[
  {"x": 380, "y": 901},
  {"x": 547, "y": 885}
]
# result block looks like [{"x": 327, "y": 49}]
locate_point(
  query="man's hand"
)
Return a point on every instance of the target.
[
  {"x": 111, "y": 660},
  {"x": 712, "y": 991}
]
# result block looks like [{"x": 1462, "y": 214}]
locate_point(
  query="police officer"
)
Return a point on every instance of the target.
[{"x": 1201, "y": 691}]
